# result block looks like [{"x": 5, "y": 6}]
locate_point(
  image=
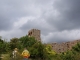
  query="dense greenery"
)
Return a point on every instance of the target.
[{"x": 38, "y": 51}]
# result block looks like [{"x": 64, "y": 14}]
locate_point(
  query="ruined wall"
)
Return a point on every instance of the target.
[
  {"x": 58, "y": 47},
  {"x": 62, "y": 47},
  {"x": 34, "y": 33}
]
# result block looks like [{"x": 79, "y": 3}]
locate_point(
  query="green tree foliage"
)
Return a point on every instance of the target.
[
  {"x": 77, "y": 47},
  {"x": 73, "y": 54},
  {"x": 76, "y": 50},
  {"x": 27, "y": 41},
  {"x": 6, "y": 47},
  {"x": 36, "y": 51},
  {"x": 68, "y": 55},
  {"x": 48, "y": 52},
  {"x": 1, "y": 47},
  {"x": 15, "y": 43}
]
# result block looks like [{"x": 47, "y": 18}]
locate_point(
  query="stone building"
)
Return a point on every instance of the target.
[
  {"x": 35, "y": 33},
  {"x": 57, "y": 47}
]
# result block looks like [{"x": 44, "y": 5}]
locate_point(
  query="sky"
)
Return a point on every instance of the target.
[{"x": 58, "y": 20}]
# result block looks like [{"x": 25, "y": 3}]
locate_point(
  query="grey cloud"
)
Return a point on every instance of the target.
[
  {"x": 4, "y": 25},
  {"x": 37, "y": 24},
  {"x": 11, "y": 10},
  {"x": 31, "y": 25},
  {"x": 69, "y": 15},
  {"x": 14, "y": 8}
]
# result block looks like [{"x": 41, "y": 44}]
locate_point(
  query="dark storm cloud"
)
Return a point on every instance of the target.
[
  {"x": 69, "y": 15},
  {"x": 5, "y": 25},
  {"x": 13, "y": 10},
  {"x": 10, "y": 11},
  {"x": 35, "y": 24},
  {"x": 52, "y": 17}
]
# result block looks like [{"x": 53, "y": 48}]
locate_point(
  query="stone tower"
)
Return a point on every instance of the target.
[{"x": 34, "y": 33}]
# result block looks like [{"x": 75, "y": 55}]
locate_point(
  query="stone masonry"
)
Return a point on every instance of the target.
[
  {"x": 34, "y": 33},
  {"x": 62, "y": 47},
  {"x": 57, "y": 47}
]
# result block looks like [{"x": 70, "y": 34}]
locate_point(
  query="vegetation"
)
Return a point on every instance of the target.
[{"x": 38, "y": 51}]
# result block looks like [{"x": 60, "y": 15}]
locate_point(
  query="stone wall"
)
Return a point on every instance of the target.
[
  {"x": 58, "y": 47},
  {"x": 34, "y": 33},
  {"x": 62, "y": 47}
]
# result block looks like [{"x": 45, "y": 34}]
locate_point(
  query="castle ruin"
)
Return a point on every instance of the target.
[
  {"x": 57, "y": 47},
  {"x": 63, "y": 47},
  {"x": 35, "y": 33}
]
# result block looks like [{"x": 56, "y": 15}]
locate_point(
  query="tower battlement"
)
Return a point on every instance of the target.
[{"x": 34, "y": 33}]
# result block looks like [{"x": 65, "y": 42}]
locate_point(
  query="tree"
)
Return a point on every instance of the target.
[
  {"x": 49, "y": 53},
  {"x": 36, "y": 51},
  {"x": 27, "y": 41},
  {"x": 1, "y": 47},
  {"x": 77, "y": 47},
  {"x": 68, "y": 55},
  {"x": 14, "y": 43}
]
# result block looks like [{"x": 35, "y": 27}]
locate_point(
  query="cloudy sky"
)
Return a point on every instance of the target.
[{"x": 58, "y": 20}]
